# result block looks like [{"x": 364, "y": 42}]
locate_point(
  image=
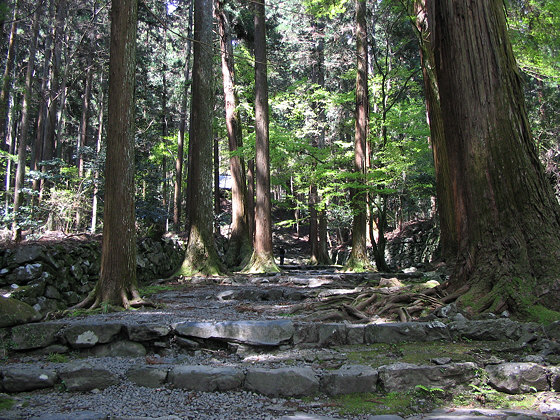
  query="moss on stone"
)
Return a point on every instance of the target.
[{"x": 14, "y": 312}]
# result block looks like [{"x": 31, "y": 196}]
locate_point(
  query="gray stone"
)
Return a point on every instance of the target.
[
  {"x": 490, "y": 330},
  {"x": 25, "y": 254},
  {"x": 205, "y": 378},
  {"x": 256, "y": 333},
  {"x": 31, "y": 292},
  {"x": 14, "y": 312},
  {"x": 52, "y": 293},
  {"x": 385, "y": 417},
  {"x": 305, "y": 416},
  {"x": 76, "y": 415},
  {"x": 552, "y": 330},
  {"x": 26, "y": 273},
  {"x": 398, "y": 332},
  {"x": 34, "y": 336},
  {"x": 186, "y": 343},
  {"x": 286, "y": 382},
  {"x": 332, "y": 334},
  {"x": 517, "y": 378},
  {"x": 27, "y": 378},
  {"x": 405, "y": 376},
  {"x": 306, "y": 333},
  {"x": 356, "y": 334},
  {"x": 146, "y": 332},
  {"x": 82, "y": 376},
  {"x": 555, "y": 378},
  {"x": 88, "y": 335},
  {"x": 349, "y": 379},
  {"x": 148, "y": 376},
  {"x": 122, "y": 348}
]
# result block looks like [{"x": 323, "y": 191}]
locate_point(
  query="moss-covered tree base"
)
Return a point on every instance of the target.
[
  {"x": 261, "y": 264},
  {"x": 357, "y": 264},
  {"x": 201, "y": 259},
  {"x": 239, "y": 252},
  {"x": 515, "y": 295}
]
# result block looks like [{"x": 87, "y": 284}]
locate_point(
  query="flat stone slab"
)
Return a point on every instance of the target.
[
  {"x": 255, "y": 333},
  {"x": 27, "y": 378},
  {"x": 287, "y": 382},
  {"x": 491, "y": 329},
  {"x": 405, "y": 376},
  {"x": 206, "y": 378}
]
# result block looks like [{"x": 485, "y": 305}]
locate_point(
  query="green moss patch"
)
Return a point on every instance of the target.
[
  {"x": 379, "y": 354},
  {"x": 6, "y": 402}
]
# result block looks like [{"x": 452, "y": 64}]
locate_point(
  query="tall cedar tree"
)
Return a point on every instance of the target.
[
  {"x": 201, "y": 256},
  {"x": 262, "y": 259},
  {"x": 240, "y": 243},
  {"x": 358, "y": 260},
  {"x": 117, "y": 283},
  {"x": 506, "y": 217},
  {"x": 25, "y": 121}
]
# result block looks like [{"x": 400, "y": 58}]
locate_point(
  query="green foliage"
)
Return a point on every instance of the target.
[
  {"x": 6, "y": 402},
  {"x": 57, "y": 358}
]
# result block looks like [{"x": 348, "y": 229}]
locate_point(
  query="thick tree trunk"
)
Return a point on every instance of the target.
[
  {"x": 7, "y": 79},
  {"x": 359, "y": 260},
  {"x": 201, "y": 256},
  {"x": 22, "y": 145},
  {"x": 507, "y": 220},
  {"x": 177, "y": 194},
  {"x": 117, "y": 278},
  {"x": 240, "y": 243},
  {"x": 54, "y": 101},
  {"x": 448, "y": 239},
  {"x": 263, "y": 258}
]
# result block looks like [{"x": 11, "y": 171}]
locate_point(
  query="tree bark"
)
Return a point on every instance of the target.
[
  {"x": 117, "y": 278},
  {"x": 240, "y": 243},
  {"x": 263, "y": 258},
  {"x": 22, "y": 145},
  {"x": 7, "y": 79},
  {"x": 506, "y": 216},
  {"x": 177, "y": 195},
  {"x": 201, "y": 256},
  {"x": 358, "y": 260}
]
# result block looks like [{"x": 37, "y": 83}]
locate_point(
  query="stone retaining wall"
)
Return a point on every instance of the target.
[{"x": 57, "y": 275}]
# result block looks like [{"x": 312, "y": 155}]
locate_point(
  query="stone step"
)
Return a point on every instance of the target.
[
  {"x": 288, "y": 381},
  {"x": 98, "y": 335}
]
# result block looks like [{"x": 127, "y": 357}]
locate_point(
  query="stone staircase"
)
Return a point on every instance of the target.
[{"x": 204, "y": 340}]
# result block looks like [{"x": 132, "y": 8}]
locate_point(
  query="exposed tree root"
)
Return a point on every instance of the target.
[{"x": 366, "y": 304}]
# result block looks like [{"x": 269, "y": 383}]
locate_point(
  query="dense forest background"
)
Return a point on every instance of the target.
[{"x": 53, "y": 112}]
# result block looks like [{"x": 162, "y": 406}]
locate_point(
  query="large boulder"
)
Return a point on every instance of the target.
[
  {"x": 518, "y": 378},
  {"x": 14, "y": 312}
]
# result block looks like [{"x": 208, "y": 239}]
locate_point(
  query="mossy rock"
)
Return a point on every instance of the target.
[{"x": 14, "y": 312}]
